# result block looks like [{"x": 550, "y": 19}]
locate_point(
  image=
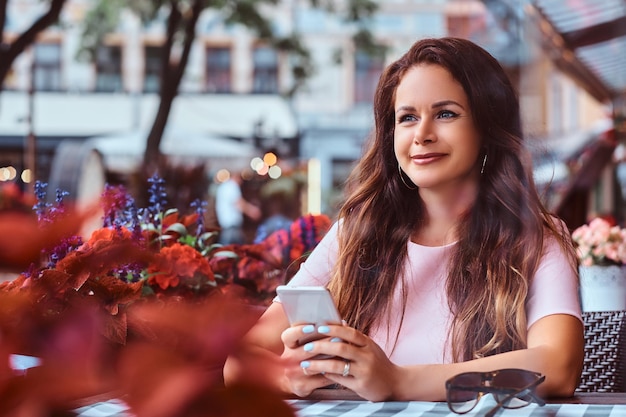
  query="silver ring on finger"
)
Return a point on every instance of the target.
[
  {"x": 305, "y": 372},
  {"x": 346, "y": 369}
]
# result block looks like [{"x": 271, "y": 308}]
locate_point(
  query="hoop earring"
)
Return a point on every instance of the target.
[
  {"x": 482, "y": 169},
  {"x": 403, "y": 181}
]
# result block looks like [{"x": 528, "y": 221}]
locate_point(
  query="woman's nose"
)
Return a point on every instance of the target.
[{"x": 424, "y": 133}]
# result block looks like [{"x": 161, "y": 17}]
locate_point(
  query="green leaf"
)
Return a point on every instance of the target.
[
  {"x": 177, "y": 228},
  {"x": 225, "y": 254},
  {"x": 207, "y": 235},
  {"x": 188, "y": 240},
  {"x": 171, "y": 211}
]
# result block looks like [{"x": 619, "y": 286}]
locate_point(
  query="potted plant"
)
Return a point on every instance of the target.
[{"x": 601, "y": 251}]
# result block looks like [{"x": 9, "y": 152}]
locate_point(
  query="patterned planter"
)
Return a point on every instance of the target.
[{"x": 603, "y": 288}]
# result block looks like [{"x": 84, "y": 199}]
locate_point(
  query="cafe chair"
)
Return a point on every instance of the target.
[{"x": 604, "y": 368}]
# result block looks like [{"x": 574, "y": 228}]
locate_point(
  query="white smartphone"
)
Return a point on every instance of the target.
[{"x": 308, "y": 305}]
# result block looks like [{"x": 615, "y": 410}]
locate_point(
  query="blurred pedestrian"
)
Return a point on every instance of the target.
[
  {"x": 276, "y": 216},
  {"x": 230, "y": 208}
]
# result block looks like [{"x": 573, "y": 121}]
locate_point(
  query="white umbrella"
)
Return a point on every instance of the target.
[{"x": 123, "y": 152}]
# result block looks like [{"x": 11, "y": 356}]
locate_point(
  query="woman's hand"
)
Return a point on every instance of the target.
[
  {"x": 356, "y": 362},
  {"x": 297, "y": 357}
]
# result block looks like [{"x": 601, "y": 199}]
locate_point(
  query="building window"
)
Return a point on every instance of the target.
[
  {"x": 152, "y": 74},
  {"x": 466, "y": 19},
  {"x": 265, "y": 71},
  {"x": 367, "y": 72},
  {"x": 47, "y": 67},
  {"x": 218, "y": 67},
  {"x": 109, "y": 69}
]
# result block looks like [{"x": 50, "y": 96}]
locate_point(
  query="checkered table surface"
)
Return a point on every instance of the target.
[
  {"x": 344, "y": 408},
  {"x": 440, "y": 409}
]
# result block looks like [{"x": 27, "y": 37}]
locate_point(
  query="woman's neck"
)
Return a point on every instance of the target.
[{"x": 442, "y": 214}]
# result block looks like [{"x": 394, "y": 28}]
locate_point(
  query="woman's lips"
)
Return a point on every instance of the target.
[{"x": 426, "y": 158}]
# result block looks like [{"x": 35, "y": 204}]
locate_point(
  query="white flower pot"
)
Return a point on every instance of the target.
[{"x": 602, "y": 288}]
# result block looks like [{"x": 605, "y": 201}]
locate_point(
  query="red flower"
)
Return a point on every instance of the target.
[
  {"x": 177, "y": 262},
  {"x": 108, "y": 234},
  {"x": 306, "y": 232},
  {"x": 174, "y": 217}
]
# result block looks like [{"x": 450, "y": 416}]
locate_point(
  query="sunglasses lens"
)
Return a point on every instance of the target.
[
  {"x": 513, "y": 402},
  {"x": 462, "y": 392},
  {"x": 514, "y": 380}
]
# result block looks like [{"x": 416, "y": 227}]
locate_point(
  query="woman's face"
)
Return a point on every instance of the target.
[{"x": 435, "y": 140}]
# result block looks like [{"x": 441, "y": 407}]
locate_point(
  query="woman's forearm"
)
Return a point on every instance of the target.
[{"x": 556, "y": 350}]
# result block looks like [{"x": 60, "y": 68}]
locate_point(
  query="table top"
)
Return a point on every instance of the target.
[
  {"x": 351, "y": 408},
  {"x": 344, "y": 403},
  {"x": 579, "y": 398}
]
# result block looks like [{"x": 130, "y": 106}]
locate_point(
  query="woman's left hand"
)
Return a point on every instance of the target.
[{"x": 358, "y": 364}]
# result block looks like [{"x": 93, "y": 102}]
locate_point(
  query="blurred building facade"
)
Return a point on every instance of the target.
[{"x": 332, "y": 113}]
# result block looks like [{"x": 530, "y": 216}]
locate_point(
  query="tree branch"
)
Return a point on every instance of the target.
[
  {"x": 166, "y": 54},
  {"x": 8, "y": 55},
  {"x": 3, "y": 18},
  {"x": 30, "y": 35},
  {"x": 190, "y": 35}
]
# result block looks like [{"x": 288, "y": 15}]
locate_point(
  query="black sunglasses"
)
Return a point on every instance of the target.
[{"x": 511, "y": 388}]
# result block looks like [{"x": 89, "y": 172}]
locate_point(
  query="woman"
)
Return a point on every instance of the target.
[{"x": 443, "y": 260}]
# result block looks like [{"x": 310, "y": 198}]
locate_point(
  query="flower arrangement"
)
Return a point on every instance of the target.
[
  {"x": 146, "y": 299},
  {"x": 158, "y": 252},
  {"x": 600, "y": 242}
]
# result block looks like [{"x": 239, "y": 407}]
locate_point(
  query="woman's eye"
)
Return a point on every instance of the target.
[
  {"x": 447, "y": 114},
  {"x": 407, "y": 118}
]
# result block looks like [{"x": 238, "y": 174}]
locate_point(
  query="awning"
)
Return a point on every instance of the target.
[
  {"x": 89, "y": 114},
  {"x": 571, "y": 162},
  {"x": 123, "y": 152},
  {"x": 588, "y": 40}
]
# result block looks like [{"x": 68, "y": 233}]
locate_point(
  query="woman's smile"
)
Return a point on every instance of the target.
[{"x": 425, "y": 159}]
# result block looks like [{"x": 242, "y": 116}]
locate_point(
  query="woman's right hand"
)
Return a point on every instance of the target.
[
  {"x": 355, "y": 362},
  {"x": 297, "y": 356}
]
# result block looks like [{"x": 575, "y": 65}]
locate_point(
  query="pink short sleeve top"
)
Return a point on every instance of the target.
[{"x": 423, "y": 336}]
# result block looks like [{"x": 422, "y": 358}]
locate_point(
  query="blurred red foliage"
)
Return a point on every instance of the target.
[{"x": 143, "y": 312}]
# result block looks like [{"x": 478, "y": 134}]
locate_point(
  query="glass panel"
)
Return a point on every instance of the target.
[
  {"x": 47, "y": 67},
  {"x": 152, "y": 73},
  {"x": 109, "y": 69},
  {"x": 367, "y": 72},
  {"x": 218, "y": 67},
  {"x": 265, "y": 71}
]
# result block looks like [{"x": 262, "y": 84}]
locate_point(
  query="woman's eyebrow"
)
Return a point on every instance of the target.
[
  {"x": 444, "y": 103},
  {"x": 435, "y": 105},
  {"x": 405, "y": 108}
]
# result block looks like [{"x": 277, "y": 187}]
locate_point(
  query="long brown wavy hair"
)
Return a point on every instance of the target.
[{"x": 500, "y": 239}]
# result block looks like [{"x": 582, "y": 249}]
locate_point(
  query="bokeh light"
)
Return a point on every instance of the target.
[
  {"x": 7, "y": 173},
  {"x": 270, "y": 159},
  {"x": 222, "y": 175},
  {"x": 274, "y": 172},
  {"x": 27, "y": 176}
]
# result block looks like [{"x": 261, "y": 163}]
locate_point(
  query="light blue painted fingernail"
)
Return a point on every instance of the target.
[
  {"x": 336, "y": 339},
  {"x": 309, "y": 328},
  {"x": 308, "y": 347},
  {"x": 323, "y": 329},
  {"x": 305, "y": 364}
]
